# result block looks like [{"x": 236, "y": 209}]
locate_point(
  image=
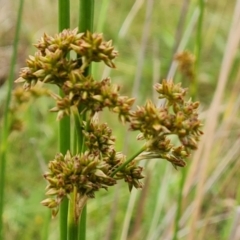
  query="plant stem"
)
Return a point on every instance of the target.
[
  {"x": 73, "y": 223},
  {"x": 86, "y": 18},
  {"x": 63, "y": 14},
  {"x": 83, "y": 224},
  {"x": 5, "y": 129},
  {"x": 86, "y": 15},
  {"x": 64, "y": 124},
  {"x": 128, "y": 161},
  {"x": 194, "y": 85},
  {"x": 78, "y": 120},
  {"x": 179, "y": 203}
]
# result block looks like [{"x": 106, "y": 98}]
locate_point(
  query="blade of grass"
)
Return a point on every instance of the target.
[
  {"x": 131, "y": 15},
  {"x": 102, "y": 15},
  {"x": 100, "y": 28},
  {"x": 162, "y": 197},
  {"x": 208, "y": 139},
  {"x": 193, "y": 91},
  {"x": 124, "y": 28},
  {"x": 179, "y": 203},
  {"x": 137, "y": 229},
  {"x": 64, "y": 124},
  {"x": 143, "y": 46},
  {"x": 235, "y": 226},
  {"x": 5, "y": 134},
  {"x": 194, "y": 85},
  {"x": 180, "y": 25},
  {"x": 185, "y": 39},
  {"x": 129, "y": 211},
  {"x": 202, "y": 223}
]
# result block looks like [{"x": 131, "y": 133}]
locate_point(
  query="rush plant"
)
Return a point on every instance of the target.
[{"x": 169, "y": 132}]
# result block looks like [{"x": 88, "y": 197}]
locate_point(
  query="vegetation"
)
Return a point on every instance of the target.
[{"x": 192, "y": 42}]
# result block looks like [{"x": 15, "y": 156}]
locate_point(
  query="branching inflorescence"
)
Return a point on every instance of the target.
[{"x": 97, "y": 165}]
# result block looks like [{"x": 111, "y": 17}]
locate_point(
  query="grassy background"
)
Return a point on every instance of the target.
[{"x": 146, "y": 41}]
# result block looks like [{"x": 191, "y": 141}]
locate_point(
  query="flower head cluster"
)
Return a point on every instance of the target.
[
  {"x": 179, "y": 117},
  {"x": 50, "y": 63},
  {"x": 98, "y": 165},
  {"x": 86, "y": 173},
  {"x": 90, "y": 171},
  {"x": 94, "y": 49},
  {"x": 92, "y": 96}
]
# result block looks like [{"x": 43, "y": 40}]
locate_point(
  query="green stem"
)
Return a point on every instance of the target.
[
  {"x": 78, "y": 120},
  {"x": 5, "y": 129},
  {"x": 63, "y": 14},
  {"x": 100, "y": 28},
  {"x": 86, "y": 18},
  {"x": 83, "y": 224},
  {"x": 86, "y": 15},
  {"x": 64, "y": 124},
  {"x": 128, "y": 161},
  {"x": 179, "y": 203}
]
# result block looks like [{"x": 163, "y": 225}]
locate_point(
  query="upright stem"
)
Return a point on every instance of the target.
[
  {"x": 86, "y": 18},
  {"x": 64, "y": 124},
  {"x": 5, "y": 129},
  {"x": 86, "y": 15},
  {"x": 73, "y": 224},
  {"x": 179, "y": 203}
]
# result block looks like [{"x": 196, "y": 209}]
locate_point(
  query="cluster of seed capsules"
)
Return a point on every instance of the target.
[{"x": 99, "y": 166}]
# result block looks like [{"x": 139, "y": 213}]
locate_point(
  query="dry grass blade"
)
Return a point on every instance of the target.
[
  {"x": 135, "y": 92},
  {"x": 235, "y": 232},
  {"x": 144, "y": 41},
  {"x": 131, "y": 15},
  {"x": 201, "y": 223},
  {"x": 213, "y": 113},
  {"x": 161, "y": 199}
]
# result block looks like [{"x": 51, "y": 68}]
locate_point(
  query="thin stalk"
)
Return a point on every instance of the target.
[
  {"x": 102, "y": 15},
  {"x": 86, "y": 18},
  {"x": 199, "y": 32},
  {"x": 5, "y": 129},
  {"x": 64, "y": 124},
  {"x": 79, "y": 141},
  {"x": 206, "y": 145},
  {"x": 193, "y": 91},
  {"x": 100, "y": 27},
  {"x": 179, "y": 203},
  {"x": 128, "y": 161},
  {"x": 194, "y": 85}
]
